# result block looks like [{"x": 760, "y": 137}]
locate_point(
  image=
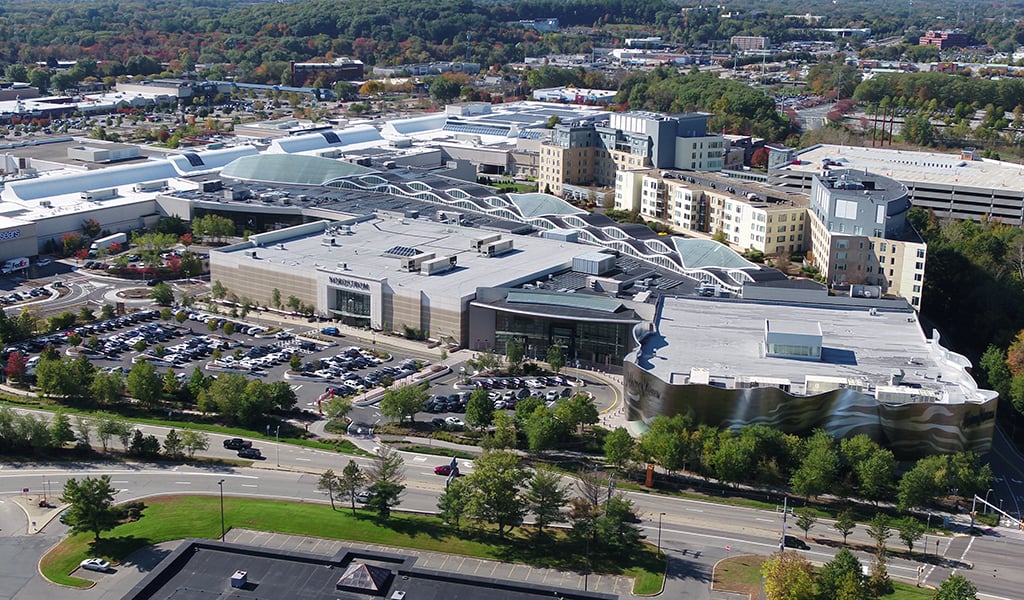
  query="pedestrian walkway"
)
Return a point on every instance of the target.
[{"x": 435, "y": 561}]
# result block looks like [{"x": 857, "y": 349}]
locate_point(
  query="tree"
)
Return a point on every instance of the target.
[
  {"x": 386, "y": 477},
  {"x": 910, "y": 531},
  {"x": 443, "y": 90},
  {"x": 577, "y": 411},
  {"x": 918, "y": 486},
  {"x": 788, "y": 576},
  {"x": 338, "y": 407},
  {"x": 194, "y": 441},
  {"x": 880, "y": 531},
  {"x": 665, "y": 441},
  {"x": 162, "y": 294},
  {"x": 16, "y": 365},
  {"x": 83, "y": 431},
  {"x": 173, "y": 445},
  {"x": 91, "y": 505},
  {"x": 328, "y": 482},
  {"x": 497, "y": 481},
  {"x": 845, "y": 524},
  {"x": 404, "y": 401},
  {"x": 956, "y": 587},
  {"x": 542, "y": 430},
  {"x": 556, "y": 358},
  {"x": 805, "y": 521},
  {"x": 514, "y": 353},
  {"x": 545, "y": 496},
  {"x": 842, "y": 578},
  {"x": 618, "y": 447},
  {"x": 877, "y": 475},
  {"x": 60, "y": 430},
  {"x": 454, "y": 502},
  {"x": 144, "y": 384},
  {"x": 817, "y": 471},
  {"x": 350, "y": 482},
  {"x": 479, "y": 409},
  {"x": 504, "y": 435}
]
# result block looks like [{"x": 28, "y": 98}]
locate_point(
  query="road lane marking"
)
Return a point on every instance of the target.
[
  {"x": 695, "y": 510},
  {"x": 182, "y": 483},
  {"x": 249, "y": 485},
  {"x": 766, "y": 520},
  {"x": 304, "y": 459},
  {"x": 419, "y": 459}
]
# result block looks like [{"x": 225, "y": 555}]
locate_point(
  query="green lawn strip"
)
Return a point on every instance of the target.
[
  {"x": 434, "y": 450},
  {"x": 176, "y": 517},
  {"x": 742, "y": 574}
]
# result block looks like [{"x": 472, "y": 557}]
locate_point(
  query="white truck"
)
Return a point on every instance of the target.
[
  {"x": 14, "y": 264},
  {"x": 107, "y": 242}
]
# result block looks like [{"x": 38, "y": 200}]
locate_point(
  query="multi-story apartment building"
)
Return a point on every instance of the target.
[
  {"x": 945, "y": 39},
  {"x": 860, "y": 233},
  {"x": 592, "y": 153},
  {"x": 749, "y": 42},
  {"x": 748, "y": 215}
]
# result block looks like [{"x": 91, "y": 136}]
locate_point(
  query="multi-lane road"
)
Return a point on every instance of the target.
[{"x": 695, "y": 534}]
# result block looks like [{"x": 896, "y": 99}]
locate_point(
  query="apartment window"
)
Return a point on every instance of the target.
[
  {"x": 918, "y": 277},
  {"x": 915, "y": 300},
  {"x": 920, "y": 252},
  {"x": 892, "y": 260},
  {"x": 919, "y": 266},
  {"x": 917, "y": 288},
  {"x": 870, "y": 269},
  {"x": 883, "y": 247},
  {"x": 842, "y": 244},
  {"x": 890, "y": 275},
  {"x": 840, "y": 256}
]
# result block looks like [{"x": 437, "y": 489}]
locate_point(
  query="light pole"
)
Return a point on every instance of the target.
[
  {"x": 660, "y": 515},
  {"x": 221, "y": 484},
  {"x": 986, "y": 499},
  {"x": 277, "y": 446}
]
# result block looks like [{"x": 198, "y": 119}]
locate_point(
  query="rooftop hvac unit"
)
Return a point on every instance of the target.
[
  {"x": 480, "y": 242},
  {"x": 497, "y": 248},
  {"x": 342, "y": 266},
  {"x": 328, "y": 241},
  {"x": 413, "y": 263},
  {"x": 438, "y": 265},
  {"x": 251, "y": 253}
]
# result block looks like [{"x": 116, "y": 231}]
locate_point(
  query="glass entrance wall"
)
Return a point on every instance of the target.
[
  {"x": 352, "y": 308},
  {"x": 594, "y": 343}
]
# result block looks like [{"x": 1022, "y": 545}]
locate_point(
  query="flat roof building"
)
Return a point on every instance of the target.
[{"x": 848, "y": 367}]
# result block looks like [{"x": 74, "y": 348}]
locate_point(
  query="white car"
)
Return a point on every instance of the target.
[
  {"x": 43, "y": 262},
  {"x": 95, "y": 564},
  {"x": 455, "y": 422}
]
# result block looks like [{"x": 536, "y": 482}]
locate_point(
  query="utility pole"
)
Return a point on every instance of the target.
[{"x": 785, "y": 512}]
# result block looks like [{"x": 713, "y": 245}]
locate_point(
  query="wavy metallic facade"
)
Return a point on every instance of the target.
[{"x": 911, "y": 430}]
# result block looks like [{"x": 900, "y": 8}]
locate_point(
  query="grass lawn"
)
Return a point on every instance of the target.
[
  {"x": 434, "y": 450},
  {"x": 176, "y": 517},
  {"x": 743, "y": 575}
]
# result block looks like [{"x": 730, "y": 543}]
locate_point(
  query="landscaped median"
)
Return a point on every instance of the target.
[{"x": 176, "y": 517}]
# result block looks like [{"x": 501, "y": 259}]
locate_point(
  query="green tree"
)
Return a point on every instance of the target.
[
  {"x": 880, "y": 531},
  {"x": 542, "y": 430},
  {"x": 817, "y": 471},
  {"x": 350, "y": 482},
  {"x": 162, "y": 294},
  {"x": 919, "y": 486},
  {"x": 144, "y": 384},
  {"x": 910, "y": 531},
  {"x": 556, "y": 358},
  {"x": 386, "y": 477},
  {"x": 174, "y": 446},
  {"x": 444, "y": 90},
  {"x": 91, "y": 505},
  {"x": 338, "y": 407},
  {"x": 60, "y": 430},
  {"x": 194, "y": 441},
  {"x": 403, "y": 401},
  {"x": 845, "y": 524},
  {"x": 577, "y": 412},
  {"x": 504, "y": 435},
  {"x": 841, "y": 576},
  {"x": 328, "y": 482},
  {"x": 956, "y": 587},
  {"x": 106, "y": 388},
  {"x": 666, "y": 441},
  {"x": 788, "y": 576},
  {"x": 497, "y": 482},
  {"x": 545, "y": 496},
  {"x": 454, "y": 502},
  {"x": 805, "y": 521},
  {"x": 619, "y": 448},
  {"x": 479, "y": 409},
  {"x": 514, "y": 353}
]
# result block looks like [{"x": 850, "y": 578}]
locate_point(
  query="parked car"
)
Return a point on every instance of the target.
[
  {"x": 329, "y": 331},
  {"x": 95, "y": 564},
  {"x": 237, "y": 444},
  {"x": 455, "y": 422},
  {"x": 364, "y": 496},
  {"x": 44, "y": 261},
  {"x": 446, "y": 470},
  {"x": 250, "y": 453},
  {"x": 791, "y": 541}
]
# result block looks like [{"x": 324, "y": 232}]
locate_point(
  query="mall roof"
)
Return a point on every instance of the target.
[
  {"x": 291, "y": 169},
  {"x": 364, "y": 250},
  {"x": 908, "y": 166},
  {"x": 727, "y": 338},
  {"x": 697, "y": 253}
]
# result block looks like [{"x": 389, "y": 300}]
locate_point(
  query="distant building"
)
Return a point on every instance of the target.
[
  {"x": 649, "y": 43},
  {"x": 945, "y": 39},
  {"x": 540, "y": 25},
  {"x": 592, "y": 153},
  {"x": 749, "y": 42},
  {"x": 342, "y": 69},
  {"x": 424, "y": 69},
  {"x": 572, "y": 95},
  {"x": 17, "y": 91}
]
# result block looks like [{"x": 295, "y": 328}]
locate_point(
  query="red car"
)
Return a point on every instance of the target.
[{"x": 445, "y": 470}]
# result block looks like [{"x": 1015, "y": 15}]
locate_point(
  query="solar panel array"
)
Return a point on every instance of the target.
[
  {"x": 402, "y": 251},
  {"x": 331, "y": 137}
]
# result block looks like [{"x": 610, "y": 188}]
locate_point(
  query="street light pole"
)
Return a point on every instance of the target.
[
  {"x": 659, "y": 532},
  {"x": 221, "y": 484},
  {"x": 986, "y": 499},
  {"x": 277, "y": 446}
]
